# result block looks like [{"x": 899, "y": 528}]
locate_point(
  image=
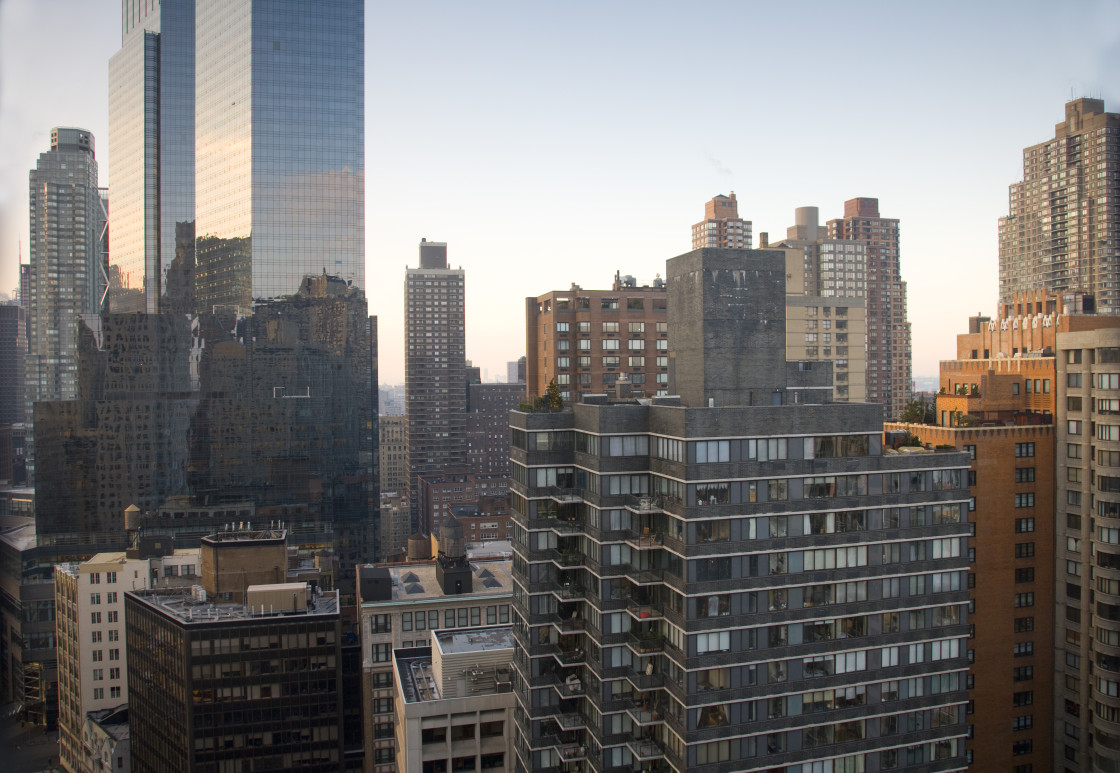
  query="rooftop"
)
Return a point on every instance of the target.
[
  {"x": 453, "y": 642},
  {"x": 416, "y": 582},
  {"x": 422, "y": 672},
  {"x": 187, "y": 605}
]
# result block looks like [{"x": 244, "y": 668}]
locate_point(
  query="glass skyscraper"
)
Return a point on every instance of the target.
[{"x": 236, "y": 139}]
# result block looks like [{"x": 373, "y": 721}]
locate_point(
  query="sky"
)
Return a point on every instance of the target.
[{"x": 552, "y": 143}]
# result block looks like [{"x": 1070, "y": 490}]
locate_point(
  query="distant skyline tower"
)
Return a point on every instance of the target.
[
  {"x": 235, "y": 190},
  {"x": 722, "y": 226},
  {"x": 66, "y": 274},
  {"x": 435, "y": 370},
  {"x": 1061, "y": 229},
  {"x": 889, "y": 359}
]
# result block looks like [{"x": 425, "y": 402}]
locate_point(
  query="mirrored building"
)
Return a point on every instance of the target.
[{"x": 237, "y": 146}]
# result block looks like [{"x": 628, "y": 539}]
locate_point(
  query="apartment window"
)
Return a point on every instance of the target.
[
  {"x": 1023, "y": 649},
  {"x": 1023, "y": 450},
  {"x": 1023, "y": 673},
  {"x": 1021, "y": 747},
  {"x": 610, "y": 327},
  {"x": 1025, "y": 722},
  {"x": 1024, "y": 550},
  {"x": 662, "y": 345},
  {"x": 380, "y": 624},
  {"x": 1073, "y": 427},
  {"x": 381, "y": 653},
  {"x": 1025, "y": 698},
  {"x": 1024, "y": 600},
  {"x": 1073, "y": 380},
  {"x": 1026, "y": 574},
  {"x": 1024, "y": 525},
  {"x": 636, "y": 344},
  {"x": 1024, "y": 624},
  {"x": 971, "y": 451},
  {"x": 95, "y": 618},
  {"x": 637, "y": 327},
  {"x": 1024, "y": 474},
  {"x": 1073, "y": 451},
  {"x": 610, "y": 344},
  {"x": 1024, "y": 500}
]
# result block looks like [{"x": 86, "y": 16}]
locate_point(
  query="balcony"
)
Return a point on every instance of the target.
[
  {"x": 571, "y": 752},
  {"x": 566, "y": 528},
  {"x": 573, "y": 721},
  {"x": 565, "y": 558},
  {"x": 645, "y": 540},
  {"x": 644, "y": 611},
  {"x": 568, "y": 626},
  {"x": 644, "y": 505},
  {"x": 645, "y": 749},
  {"x": 647, "y": 576},
  {"x": 569, "y": 592},
  {"x": 568, "y": 656},
  {"x": 645, "y": 643},
  {"x": 646, "y": 680},
  {"x": 645, "y": 713},
  {"x": 570, "y": 686},
  {"x": 564, "y": 495}
]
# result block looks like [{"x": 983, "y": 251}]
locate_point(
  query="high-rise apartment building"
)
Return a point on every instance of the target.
[
  {"x": 740, "y": 578},
  {"x": 1000, "y": 410},
  {"x": 237, "y": 151},
  {"x": 585, "y": 340},
  {"x": 488, "y": 407},
  {"x": 13, "y": 353},
  {"x": 826, "y": 302},
  {"x": 1061, "y": 230},
  {"x": 393, "y": 457},
  {"x": 435, "y": 365},
  {"x": 66, "y": 274},
  {"x": 889, "y": 365},
  {"x": 722, "y": 227}
]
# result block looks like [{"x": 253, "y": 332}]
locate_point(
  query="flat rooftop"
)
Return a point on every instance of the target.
[
  {"x": 413, "y": 582},
  {"x": 181, "y": 604},
  {"x": 453, "y": 642},
  {"x": 420, "y": 679}
]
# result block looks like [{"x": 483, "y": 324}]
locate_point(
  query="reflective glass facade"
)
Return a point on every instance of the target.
[
  {"x": 279, "y": 147},
  {"x": 151, "y": 147},
  {"x": 236, "y": 139}
]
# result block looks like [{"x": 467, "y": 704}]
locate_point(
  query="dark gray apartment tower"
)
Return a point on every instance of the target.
[
  {"x": 736, "y": 587},
  {"x": 435, "y": 367},
  {"x": 13, "y": 351},
  {"x": 727, "y": 308}
]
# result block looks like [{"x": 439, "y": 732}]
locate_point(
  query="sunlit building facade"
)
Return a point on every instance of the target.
[{"x": 237, "y": 146}]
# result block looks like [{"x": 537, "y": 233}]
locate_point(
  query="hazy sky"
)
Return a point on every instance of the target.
[{"x": 557, "y": 143}]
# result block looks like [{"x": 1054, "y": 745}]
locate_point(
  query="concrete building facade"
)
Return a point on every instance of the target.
[
  {"x": 741, "y": 577},
  {"x": 456, "y": 706},
  {"x": 889, "y": 362},
  {"x": 435, "y": 366},
  {"x": 405, "y": 606}
]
